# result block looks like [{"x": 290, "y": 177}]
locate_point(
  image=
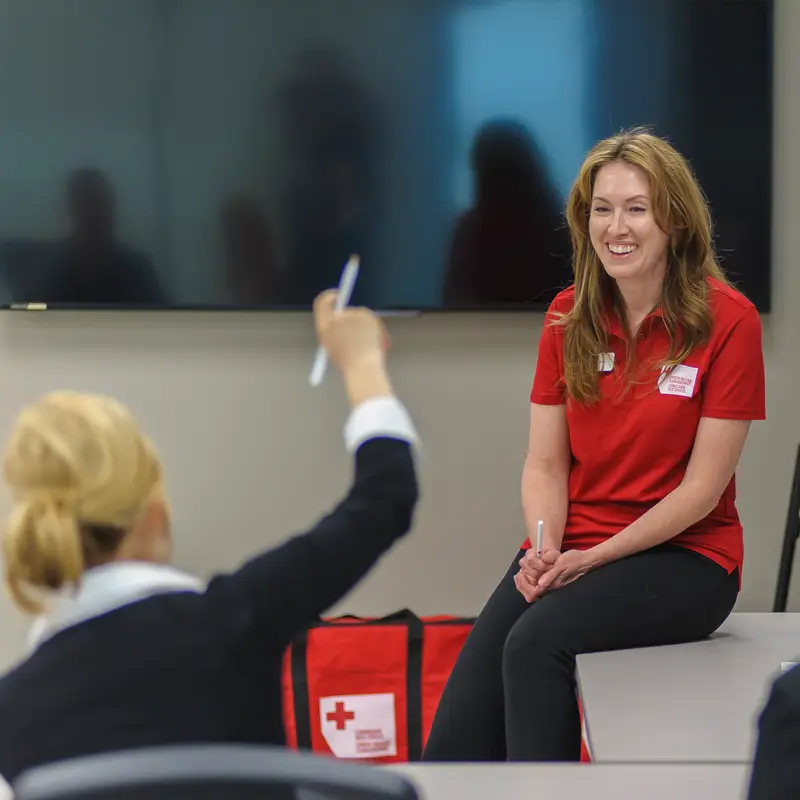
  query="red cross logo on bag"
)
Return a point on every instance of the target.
[
  {"x": 359, "y": 725},
  {"x": 340, "y": 716}
]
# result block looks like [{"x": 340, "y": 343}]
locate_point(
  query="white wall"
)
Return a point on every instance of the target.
[{"x": 253, "y": 454}]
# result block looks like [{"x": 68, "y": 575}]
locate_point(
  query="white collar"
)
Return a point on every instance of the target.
[{"x": 106, "y": 588}]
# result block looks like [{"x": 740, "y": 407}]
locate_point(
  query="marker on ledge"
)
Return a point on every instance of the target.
[
  {"x": 540, "y": 538},
  {"x": 346, "y": 285}
]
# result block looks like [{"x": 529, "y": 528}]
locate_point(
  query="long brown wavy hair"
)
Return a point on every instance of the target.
[{"x": 681, "y": 209}]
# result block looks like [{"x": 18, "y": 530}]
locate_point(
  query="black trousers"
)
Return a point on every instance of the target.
[{"x": 512, "y": 693}]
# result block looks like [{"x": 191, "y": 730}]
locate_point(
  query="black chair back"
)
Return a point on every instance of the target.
[
  {"x": 790, "y": 536},
  {"x": 211, "y": 772}
]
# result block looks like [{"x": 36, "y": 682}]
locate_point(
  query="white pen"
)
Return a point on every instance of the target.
[
  {"x": 346, "y": 285},
  {"x": 540, "y": 538}
]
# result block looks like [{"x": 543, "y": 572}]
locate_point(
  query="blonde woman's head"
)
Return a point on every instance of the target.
[{"x": 87, "y": 489}]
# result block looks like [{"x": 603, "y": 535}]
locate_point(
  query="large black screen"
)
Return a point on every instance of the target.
[{"x": 234, "y": 153}]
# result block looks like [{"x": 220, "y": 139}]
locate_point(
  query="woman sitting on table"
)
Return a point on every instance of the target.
[
  {"x": 649, "y": 372},
  {"x": 134, "y": 653}
]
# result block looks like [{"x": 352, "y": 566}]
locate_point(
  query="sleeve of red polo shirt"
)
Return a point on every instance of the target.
[
  {"x": 548, "y": 383},
  {"x": 735, "y": 385}
]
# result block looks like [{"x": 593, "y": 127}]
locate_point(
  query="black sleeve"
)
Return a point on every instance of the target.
[
  {"x": 775, "y": 774},
  {"x": 288, "y": 587}
]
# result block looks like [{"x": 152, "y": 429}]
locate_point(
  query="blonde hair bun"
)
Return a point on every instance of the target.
[
  {"x": 74, "y": 463},
  {"x": 42, "y": 549}
]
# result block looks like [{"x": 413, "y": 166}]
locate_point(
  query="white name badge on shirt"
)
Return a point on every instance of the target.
[
  {"x": 679, "y": 381},
  {"x": 605, "y": 362}
]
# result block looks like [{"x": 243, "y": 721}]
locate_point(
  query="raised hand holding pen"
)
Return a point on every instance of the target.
[
  {"x": 341, "y": 299},
  {"x": 355, "y": 340}
]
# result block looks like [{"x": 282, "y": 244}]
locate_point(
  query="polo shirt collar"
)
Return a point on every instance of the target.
[{"x": 614, "y": 321}]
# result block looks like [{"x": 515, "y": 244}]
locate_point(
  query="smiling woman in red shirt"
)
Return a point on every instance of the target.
[{"x": 650, "y": 371}]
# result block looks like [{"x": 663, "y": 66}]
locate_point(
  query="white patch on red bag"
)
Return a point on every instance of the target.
[{"x": 359, "y": 725}]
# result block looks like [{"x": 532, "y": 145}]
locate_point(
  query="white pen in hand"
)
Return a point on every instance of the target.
[
  {"x": 540, "y": 538},
  {"x": 346, "y": 285}
]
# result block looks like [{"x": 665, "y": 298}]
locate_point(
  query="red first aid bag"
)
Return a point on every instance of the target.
[
  {"x": 360, "y": 688},
  {"x": 369, "y": 688}
]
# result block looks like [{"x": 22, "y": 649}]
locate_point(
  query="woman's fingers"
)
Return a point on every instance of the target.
[
  {"x": 525, "y": 586},
  {"x": 531, "y": 564}
]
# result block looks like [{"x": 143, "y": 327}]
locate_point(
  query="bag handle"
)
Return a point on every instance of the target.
[
  {"x": 403, "y": 615},
  {"x": 416, "y": 636},
  {"x": 302, "y": 707}
]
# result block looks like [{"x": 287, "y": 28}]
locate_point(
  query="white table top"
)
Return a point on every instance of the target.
[
  {"x": 578, "y": 781},
  {"x": 686, "y": 703}
]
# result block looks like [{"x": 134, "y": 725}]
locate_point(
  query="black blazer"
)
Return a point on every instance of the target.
[
  {"x": 776, "y": 768},
  {"x": 205, "y": 666}
]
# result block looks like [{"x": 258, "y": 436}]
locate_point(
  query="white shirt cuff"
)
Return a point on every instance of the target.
[{"x": 380, "y": 417}]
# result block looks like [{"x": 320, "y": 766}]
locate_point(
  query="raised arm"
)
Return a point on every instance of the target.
[{"x": 288, "y": 587}]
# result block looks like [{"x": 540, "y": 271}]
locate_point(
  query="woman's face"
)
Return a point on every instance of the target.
[{"x": 623, "y": 230}]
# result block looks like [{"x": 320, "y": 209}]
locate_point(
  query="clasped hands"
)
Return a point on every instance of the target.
[{"x": 551, "y": 570}]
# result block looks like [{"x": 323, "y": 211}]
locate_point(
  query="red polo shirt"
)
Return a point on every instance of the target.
[{"x": 630, "y": 449}]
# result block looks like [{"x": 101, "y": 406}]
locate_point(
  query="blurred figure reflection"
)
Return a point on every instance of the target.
[
  {"x": 331, "y": 202},
  {"x": 91, "y": 265},
  {"x": 512, "y": 247},
  {"x": 249, "y": 252}
]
